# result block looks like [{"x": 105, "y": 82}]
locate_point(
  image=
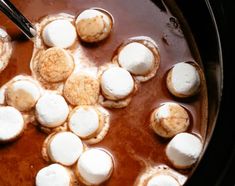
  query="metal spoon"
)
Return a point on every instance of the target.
[{"x": 14, "y": 14}]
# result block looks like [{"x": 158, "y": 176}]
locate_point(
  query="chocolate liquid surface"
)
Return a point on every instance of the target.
[{"x": 130, "y": 140}]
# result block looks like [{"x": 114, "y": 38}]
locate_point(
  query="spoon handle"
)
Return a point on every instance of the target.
[{"x": 14, "y": 14}]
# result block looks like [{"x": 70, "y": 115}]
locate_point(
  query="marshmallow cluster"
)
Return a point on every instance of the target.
[
  {"x": 93, "y": 166},
  {"x": 57, "y": 65},
  {"x": 74, "y": 104},
  {"x": 92, "y": 25}
]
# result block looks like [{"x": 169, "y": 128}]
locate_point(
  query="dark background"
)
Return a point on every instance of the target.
[{"x": 217, "y": 167}]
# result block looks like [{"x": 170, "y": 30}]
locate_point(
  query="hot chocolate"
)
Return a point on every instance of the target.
[{"x": 132, "y": 145}]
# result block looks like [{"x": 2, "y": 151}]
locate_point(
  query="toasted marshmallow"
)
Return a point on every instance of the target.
[
  {"x": 136, "y": 58},
  {"x": 81, "y": 89},
  {"x": 64, "y": 148},
  {"x": 94, "y": 166},
  {"x": 169, "y": 120},
  {"x": 11, "y": 123},
  {"x": 55, "y": 65},
  {"x": 183, "y": 80},
  {"x": 93, "y": 25},
  {"x": 183, "y": 150},
  {"x": 54, "y": 174},
  {"x": 51, "y": 110},
  {"x": 59, "y": 33},
  {"x": 116, "y": 83},
  {"x": 84, "y": 121},
  {"x": 162, "y": 180},
  {"x": 22, "y": 94},
  {"x": 5, "y": 49}
]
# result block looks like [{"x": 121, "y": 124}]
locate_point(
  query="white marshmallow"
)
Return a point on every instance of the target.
[
  {"x": 22, "y": 94},
  {"x": 59, "y": 33},
  {"x": 65, "y": 148},
  {"x": 51, "y": 110},
  {"x": 116, "y": 83},
  {"x": 161, "y": 175},
  {"x": 11, "y": 123},
  {"x": 163, "y": 180},
  {"x": 55, "y": 175},
  {"x": 93, "y": 25},
  {"x": 183, "y": 150},
  {"x": 185, "y": 79},
  {"x": 3, "y": 33},
  {"x": 136, "y": 58},
  {"x": 95, "y": 166},
  {"x": 84, "y": 121}
]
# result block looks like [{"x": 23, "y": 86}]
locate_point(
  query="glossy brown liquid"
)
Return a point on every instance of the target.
[{"x": 130, "y": 139}]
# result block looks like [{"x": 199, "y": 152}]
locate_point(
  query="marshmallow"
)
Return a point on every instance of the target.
[
  {"x": 183, "y": 80},
  {"x": 55, "y": 175},
  {"x": 169, "y": 120},
  {"x": 81, "y": 89},
  {"x": 160, "y": 175},
  {"x": 11, "y": 123},
  {"x": 183, "y": 150},
  {"x": 5, "y": 49},
  {"x": 3, "y": 33},
  {"x": 116, "y": 83},
  {"x": 162, "y": 180},
  {"x": 2, "y": 95},
  {"x": 59, "y": 33},
  {"x": 94, "y": 166},
  {"x": 22, "y": 94},
  {"x": 84, "y": 121},
  {"x": 136, "y": 58},
  {"x": 102, "y": 130},
  {"x": 51, "y": 110},
  {"x": 64, "y": 148},
  {"x": 93, "y": 25},
  {"x": 55, "y": 65}
]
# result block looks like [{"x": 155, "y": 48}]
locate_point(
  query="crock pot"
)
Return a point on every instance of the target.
[{"x": 208, "y": 23}]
